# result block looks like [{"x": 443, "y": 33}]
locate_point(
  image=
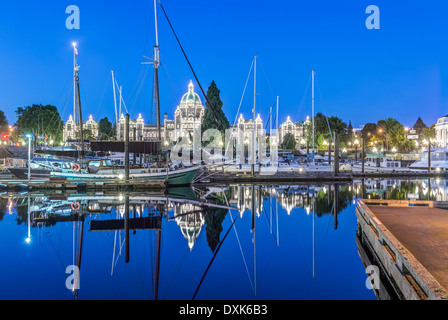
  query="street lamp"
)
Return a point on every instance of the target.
[
  {"x": 356, "y": 143},
  {"x": 29, "y": 157}
]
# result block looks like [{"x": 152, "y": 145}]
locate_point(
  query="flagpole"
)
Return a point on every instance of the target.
[{"x": 74, "y": 82}]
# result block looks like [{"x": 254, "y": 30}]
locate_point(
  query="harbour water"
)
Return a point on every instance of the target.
[{"x": 275, "y": 243}]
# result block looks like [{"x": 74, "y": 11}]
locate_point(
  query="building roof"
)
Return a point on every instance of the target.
[{"x": 191, "y": 95}]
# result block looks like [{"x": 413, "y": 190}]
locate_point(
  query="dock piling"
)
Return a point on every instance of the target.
[
  {"x": 126, "y": 149},
  {"x": 336, "y": 154},
  {"x": 363, "y": 154},
  {"x": 336, "y": 205},
  {"x": 126, "y": 227}
]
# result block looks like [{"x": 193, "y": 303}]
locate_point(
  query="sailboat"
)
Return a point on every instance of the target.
[
  {"x": 100, "y": 169},
  {"x": 316, "y": 166}
]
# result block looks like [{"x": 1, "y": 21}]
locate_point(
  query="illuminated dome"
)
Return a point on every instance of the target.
[{"x": 191, "y": 95}]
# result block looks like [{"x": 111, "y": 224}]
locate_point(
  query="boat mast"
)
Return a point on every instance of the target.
[
  {"x": 156, "y": 81},
  {"x": 313, "y": 110},
  {"x": 74, "y": 82},
  {"x": 158, "y": 247},
  {"x": 277, "y": 135},
  {"x": 119, "y": 110},
  {"x": 81, "y": 133},
  {"x": 81, "y": 241},
  {"x": 115, "y": 102},
  {"x": 255, "y": 118},
  {"x": 314, "y": 273}
]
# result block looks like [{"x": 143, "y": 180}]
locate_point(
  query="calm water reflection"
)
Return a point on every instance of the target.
[{"x": 239, "y": 242}]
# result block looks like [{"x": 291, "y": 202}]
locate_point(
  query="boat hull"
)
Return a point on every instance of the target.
[
  {"x": 181, "y": 177},
  {"x": 22, "y": 173}
]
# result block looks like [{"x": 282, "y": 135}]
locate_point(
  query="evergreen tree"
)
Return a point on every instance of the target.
[
  {"x": 210, "y": 121},
  {"x": 4, "y": 126},
  {"x": 349, "y": 131},
  {"x": 419, "y": 126},
  {"x": 213, "y": 220},
  {"x": 105, "y": 129},
  {"x": 289, "y": 142}
]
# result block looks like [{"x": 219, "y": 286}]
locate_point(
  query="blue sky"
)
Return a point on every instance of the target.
[{"x": 362, "y": 75}]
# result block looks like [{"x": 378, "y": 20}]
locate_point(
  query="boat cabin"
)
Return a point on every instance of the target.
[
  {"x": 381, "y": 161},
  {"x": 93, "y": 166}
]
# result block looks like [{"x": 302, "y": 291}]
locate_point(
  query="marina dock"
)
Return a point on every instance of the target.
[
  {"x": 408, "y": 240},
  {"x": 221, "y": 178},
  {"x": 211, "y": 178},
  {"x": 65, "y": 185}
]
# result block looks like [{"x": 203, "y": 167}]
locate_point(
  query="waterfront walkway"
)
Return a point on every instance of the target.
[
  {"x": 410, "y": 240},
  {"x": 424, "y": 232}
]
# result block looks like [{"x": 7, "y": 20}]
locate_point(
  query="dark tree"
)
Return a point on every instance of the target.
[
  {"x": 368, "y": 131},
  {"x": 210, "y": 121},
  {"x": 105, "y": 129},
  {"x": 4, "y": 125},
  {"x": 419, "y": 126},
  {"x": 323, "y": 127},
  {"x": 350, "y": 131},
  {"x": 289, "y": 142},
  {"x": 213, "y": 220},
  {"x": 390, "y": 130},
  {"x": 42, "y": 120}
]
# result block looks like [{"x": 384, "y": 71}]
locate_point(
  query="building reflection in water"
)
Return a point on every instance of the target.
[
  {"x": 207, "y": 209},
  {"x": 190, "y": 219}
]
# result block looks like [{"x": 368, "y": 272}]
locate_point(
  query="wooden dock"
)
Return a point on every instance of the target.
[
  {"x": 409, "y": 240},
  {"x": 221, "y": 178},
  {"x": 11, "y": 185}
]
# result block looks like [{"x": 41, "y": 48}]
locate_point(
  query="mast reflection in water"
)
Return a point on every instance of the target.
[{"x": 238, "y": 242}]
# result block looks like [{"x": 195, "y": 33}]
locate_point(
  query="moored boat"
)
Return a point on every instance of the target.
[
  {"x": 439, "y": 160},
  {"x": 104, "y": 169},
  {"x": 40, "y": 167}
]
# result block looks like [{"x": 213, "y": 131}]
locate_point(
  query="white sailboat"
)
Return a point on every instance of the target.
[{"x": 316, "y": 165}]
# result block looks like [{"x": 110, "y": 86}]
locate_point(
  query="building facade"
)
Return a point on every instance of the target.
[
  {"x": 71, "y": 129},
  {"x": 189, "y": 115},
  {"x": 297, "y": 129},
  {"x": 441, "y": 131}
]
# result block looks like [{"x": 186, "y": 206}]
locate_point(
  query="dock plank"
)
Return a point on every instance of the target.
[{"x": 423, "y": 231}]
